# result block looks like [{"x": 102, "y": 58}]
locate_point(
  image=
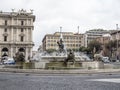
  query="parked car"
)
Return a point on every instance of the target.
[
  {"x": 105, "y": 59},
  {"x": 9, "y": 61}
]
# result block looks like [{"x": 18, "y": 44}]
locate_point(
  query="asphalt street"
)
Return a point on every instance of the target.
[{"x": 24, "y": 81}]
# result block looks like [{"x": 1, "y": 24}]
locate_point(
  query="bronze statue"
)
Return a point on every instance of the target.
[
  {"x": 61, "y": 45},
  {"x": 70, "y": 57}
]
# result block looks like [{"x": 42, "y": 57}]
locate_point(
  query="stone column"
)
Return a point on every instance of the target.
[
  {"x": 27, "y": 23},
  {"x": 12, "y": 34},
  {"x": 30, "y": 52},
  {"x": 0, "y": 52},
  {"x": 16, "y": 50},
  {"x": 1, "y": 35},
  {"x": 12, "y": 31},
  {"x": 11, "y": 52},
  {"x": 31, "y": 35},
  {"x": 17, "y": 31},
  {"x": 16, "y": 34},
  {"x": 27, "y": 34}
]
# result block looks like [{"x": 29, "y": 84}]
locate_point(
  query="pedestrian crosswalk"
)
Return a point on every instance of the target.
[{"x": 113, "y": 80}]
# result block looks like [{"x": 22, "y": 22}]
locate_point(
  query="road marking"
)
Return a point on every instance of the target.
[{"x": 114, "y": 80}]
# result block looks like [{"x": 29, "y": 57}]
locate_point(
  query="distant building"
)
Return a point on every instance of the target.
[
  {"x": 115, "y": 35},
  {"x": 93, "y": 34},
  {"x": 70, "y": 40},
  {"x": 104, "y": 39},
  {"x": 16, "y": 33}
]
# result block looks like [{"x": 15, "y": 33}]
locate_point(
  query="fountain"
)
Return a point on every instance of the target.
[{"x": 57, "y": 59}]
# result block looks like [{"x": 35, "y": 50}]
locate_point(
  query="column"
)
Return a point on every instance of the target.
[
  {"x": 11, "y": 52},
  {"x": 27, "y": 22},
  {"x": 16, "y": 34},
  {"x": 31, "y": 35},
  {"x": 12, "y": 34},
  {"x": 0, "y": 52},
  {"x": 1, "y": 35},
  {"x": 12, "y": 31},
  {"x": 16, "y": 50},
  {"x": 17, "y": 31},
  {"x": 27, "y": 34},
  {"x": 30, "y": 52}
]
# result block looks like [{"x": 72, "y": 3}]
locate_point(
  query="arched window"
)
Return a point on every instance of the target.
[
  {"x": 4, "y": 52},
  {"x": 21, "y": 50},
  {"x": 5, "y": 49}
]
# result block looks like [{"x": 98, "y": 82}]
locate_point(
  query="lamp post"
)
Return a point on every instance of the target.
[
  {"x": 77, "y": 36},
  {"x": 117, "y": 42}
]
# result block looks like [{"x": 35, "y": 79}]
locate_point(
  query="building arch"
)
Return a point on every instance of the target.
[
  {"x": 21, "y": 50},
  {"x": 5, "y": 51}
]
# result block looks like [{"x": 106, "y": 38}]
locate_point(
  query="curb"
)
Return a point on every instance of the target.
[{"x": 41, "y": 71}]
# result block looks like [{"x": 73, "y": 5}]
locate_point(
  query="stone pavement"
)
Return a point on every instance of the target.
[{"x": 23, "y": 81}]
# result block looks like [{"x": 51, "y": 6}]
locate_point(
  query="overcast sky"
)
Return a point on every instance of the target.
[{"x": 51, "y": 14}]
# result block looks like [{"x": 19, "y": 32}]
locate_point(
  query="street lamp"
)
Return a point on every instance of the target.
[
  {"x": 117, "y": 28},
  {"x": 77, "y": 36}
]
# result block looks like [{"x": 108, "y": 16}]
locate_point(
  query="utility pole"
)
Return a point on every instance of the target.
[
  {"x": 117, "y": 41},
  {"x": 77, "y": 36}
]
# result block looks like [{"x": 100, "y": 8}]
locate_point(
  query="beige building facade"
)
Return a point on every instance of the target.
[
  {"x": 93, "y": 34},
  {"x": 16, "y": 33},
  {"x": 70, "y": 40}
]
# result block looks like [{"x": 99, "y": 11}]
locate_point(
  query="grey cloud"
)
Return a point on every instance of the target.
[{"x": 51, "y": 14}]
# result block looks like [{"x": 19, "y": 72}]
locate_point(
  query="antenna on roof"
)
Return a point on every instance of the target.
[
  {"x": 117, "y": 27},
  {"x": 78, "y": 29}
]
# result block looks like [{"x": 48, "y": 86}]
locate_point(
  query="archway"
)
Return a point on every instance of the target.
[
  {"x": 21, "y": 50},
  {"x": 5, "y": 52}
]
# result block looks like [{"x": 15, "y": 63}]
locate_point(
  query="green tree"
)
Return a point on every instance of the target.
[
  {"x": 111, "y": 46},
  {"x": 84, "y": 49},
  {"x": 75, "y": 50},
  {"x": 94, "y": 46},
  {"x": 50, "y": 50}
]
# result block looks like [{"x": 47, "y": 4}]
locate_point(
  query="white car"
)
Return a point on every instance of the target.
[
  {"x": 9, "y": 61},
  {"x": 105, "y": 59}
]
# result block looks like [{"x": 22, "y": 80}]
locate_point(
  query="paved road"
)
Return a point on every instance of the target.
[{"x": 17, "y": 81}]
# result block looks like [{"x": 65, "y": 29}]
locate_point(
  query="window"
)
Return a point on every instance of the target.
[
  {"x": 48, "y": 40},
  {"x": 21, "y": 29},
  {"x": 5, "y": 30},
  {"x": 29, "y": 21},
  {"x": 22, "y": 22},
  {"x": 21, "y": 38},
  {"x": 5, "y": 22},
  {"x": 5, "y": 38},
  {"x": 51, "y": 44}
]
